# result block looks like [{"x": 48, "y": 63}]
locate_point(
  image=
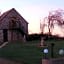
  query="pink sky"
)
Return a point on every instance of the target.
[{"x": 32, "y": 10}]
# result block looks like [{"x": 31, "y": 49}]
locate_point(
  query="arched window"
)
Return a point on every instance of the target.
[{"x": 13, "y": 22}]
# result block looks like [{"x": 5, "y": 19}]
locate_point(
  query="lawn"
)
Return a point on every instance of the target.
[
  {"x": 58, "y": 44},
  {"x": 30, "y": 52}
]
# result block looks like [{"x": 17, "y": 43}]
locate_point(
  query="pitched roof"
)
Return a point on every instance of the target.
[{"x": 7, "y": 12}]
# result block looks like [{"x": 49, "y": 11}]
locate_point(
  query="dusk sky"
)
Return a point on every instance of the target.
[{"x": 32, "y": 10}]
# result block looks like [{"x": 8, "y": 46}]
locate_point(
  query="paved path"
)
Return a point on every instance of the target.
[{"x": 6, "y": 61}]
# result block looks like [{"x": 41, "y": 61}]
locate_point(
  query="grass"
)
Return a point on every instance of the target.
[
  {"x": 20, "y": 52},
  {"x": 29, "y": 52},
  {"x": 58, "y": 44}
]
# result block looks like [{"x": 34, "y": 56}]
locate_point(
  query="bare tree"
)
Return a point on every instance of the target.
[
  {"x": 54, "y": 18},
  {"x": 43, "y": 25}
]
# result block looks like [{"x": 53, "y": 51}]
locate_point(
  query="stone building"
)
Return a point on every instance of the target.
[{"x": 12, "y": 26}]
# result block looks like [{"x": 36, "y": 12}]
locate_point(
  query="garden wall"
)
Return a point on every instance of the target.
[{"x": 53, "y": 61}]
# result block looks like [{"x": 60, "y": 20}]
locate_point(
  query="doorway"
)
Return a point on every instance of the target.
[{"x": 5, "y": 35}]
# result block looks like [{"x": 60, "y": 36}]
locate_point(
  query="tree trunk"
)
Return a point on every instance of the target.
[{"x": 49, "y": 28}]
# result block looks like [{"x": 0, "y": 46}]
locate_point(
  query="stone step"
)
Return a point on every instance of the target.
[{"x": 2, "y": 45}]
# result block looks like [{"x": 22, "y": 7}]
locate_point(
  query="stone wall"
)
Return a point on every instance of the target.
[
  {"x": 53, "y": 61},
  {"x": 57, "y": 61},
  {"x": 1, "y": 35},
  {"x": 14, "y": 35}
]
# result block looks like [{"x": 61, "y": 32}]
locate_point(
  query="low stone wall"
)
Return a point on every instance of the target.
[
  {"x": 45, "y": 61},
  {"x": 53, "y": 61},
  {"x": 57, "y": 61}
]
